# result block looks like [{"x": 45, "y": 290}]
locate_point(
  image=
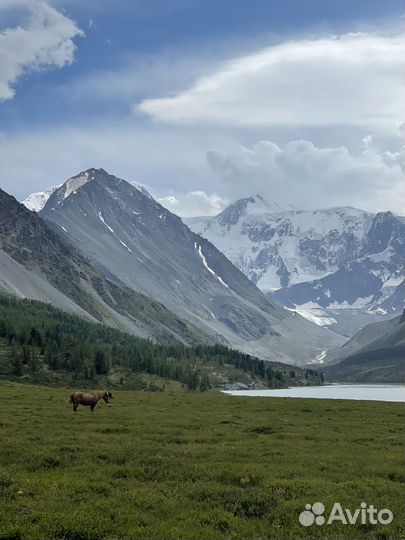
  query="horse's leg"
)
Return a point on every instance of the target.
[
  {"x": 75, "y": 405},
  {"x": 94, "y": 406}
]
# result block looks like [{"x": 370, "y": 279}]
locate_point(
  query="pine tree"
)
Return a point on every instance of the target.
[{"x": 16, "y": 361}]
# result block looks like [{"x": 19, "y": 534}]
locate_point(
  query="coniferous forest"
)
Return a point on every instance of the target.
[{"x": 38, "y": 339}]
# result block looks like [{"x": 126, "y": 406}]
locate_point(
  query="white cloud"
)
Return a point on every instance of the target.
[
  {"x": 168, "y": 161},
  {"x": 308, "y": 176},
  {"x": 173, "y": 164},
  {"x": 45, "y": 40},
  {"x": 193, "y": 203},
  {"x": 354, "y": 79}
]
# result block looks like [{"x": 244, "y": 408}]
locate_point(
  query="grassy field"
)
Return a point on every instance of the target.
[{"x": 194, "y": 466}]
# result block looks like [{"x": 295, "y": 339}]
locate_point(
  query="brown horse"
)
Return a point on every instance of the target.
[{"x": 89, "y": 400}]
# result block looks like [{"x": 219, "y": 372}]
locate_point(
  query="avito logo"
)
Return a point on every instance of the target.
[{"x": 314, "y": 514}]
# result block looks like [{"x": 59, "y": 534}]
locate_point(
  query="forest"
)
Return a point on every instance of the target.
[{"x": 38, "y": 338}]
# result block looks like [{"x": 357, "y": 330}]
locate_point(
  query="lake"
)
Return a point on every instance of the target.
[{"x": 364, "y": 392}]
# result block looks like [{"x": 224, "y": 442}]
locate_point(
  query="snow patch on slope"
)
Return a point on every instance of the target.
[
  {"x": 73, "y": 184},
  {"x": 312, "y": 312},
  {"x": 360, "y": 303},
  {"x": 124, "y": 244},
  {"x": 320, "y": 358},
  {"x": 106, "y": 224},
  {"x": 36, "y": 201},
  {"x": 393, "y": 282},
  {"x": 204, "y": 260}
]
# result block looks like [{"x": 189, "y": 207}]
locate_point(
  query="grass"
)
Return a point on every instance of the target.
[{"x": 194, "y": 466}]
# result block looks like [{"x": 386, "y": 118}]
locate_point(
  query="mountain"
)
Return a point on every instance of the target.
[
  {"x": 336, "y": 267},
  {"x": 394, "y": 302},
  {"x": 36, "y": 263},
  {"x": 132, "y": 239},
  {"x": 36, "y": 201},
  {"x": 375, "y": 354}
]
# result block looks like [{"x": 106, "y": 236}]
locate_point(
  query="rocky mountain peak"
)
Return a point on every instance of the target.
[
  {"x": 134, "y": 241},
  {"x": 37, "y": 201},
  {"x": 253, "y": 205},
  {"x": 99, "y": 186}
]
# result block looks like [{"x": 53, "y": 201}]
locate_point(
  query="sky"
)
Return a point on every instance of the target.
[{"x": 205, "y": 102}]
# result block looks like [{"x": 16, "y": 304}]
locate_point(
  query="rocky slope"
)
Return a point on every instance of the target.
[
  {"x": 36, "y": 263},
  {"x": 134, "y": 240},
  {"x": 375, "y": 354}
]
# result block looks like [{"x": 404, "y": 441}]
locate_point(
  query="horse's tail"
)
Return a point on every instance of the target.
[{"x": 71, "y": 398}]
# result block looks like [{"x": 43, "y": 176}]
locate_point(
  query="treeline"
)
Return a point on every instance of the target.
[{"x": 39, "y": 335}]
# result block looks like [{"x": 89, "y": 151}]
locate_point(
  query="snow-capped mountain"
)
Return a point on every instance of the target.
[
  {"x": 36, "y": 201},
  {"x": 135, "y": 241},
  {"x": 329, "y": 265}
]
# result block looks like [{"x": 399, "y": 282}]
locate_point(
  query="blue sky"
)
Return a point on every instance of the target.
[{"x": 205, "y": 101}]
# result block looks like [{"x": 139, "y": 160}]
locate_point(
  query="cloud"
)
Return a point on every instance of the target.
[
  {"x": 141, "y": 74},
  {"x": 308, "y": 176},
  {"x": 170, "y": 164},
  {"x": 168, "y": 161},
  {"x": 193, "y": 203},
  {"x": 173, "y": 163},
  {"x": 353, "y": 79},
  {"x": 45, "y": 40}
]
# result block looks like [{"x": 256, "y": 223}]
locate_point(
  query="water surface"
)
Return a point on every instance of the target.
[{"x": 364, "y": 392}]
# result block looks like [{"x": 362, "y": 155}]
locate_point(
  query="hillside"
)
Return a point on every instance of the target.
[
  {"x": 40, "y": 343},
  {"x": 375, "y": 354},
  {"x": 36, "y": 263}
]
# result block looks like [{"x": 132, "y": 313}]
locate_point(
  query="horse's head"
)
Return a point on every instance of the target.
[{"x": 107, "y": 396}]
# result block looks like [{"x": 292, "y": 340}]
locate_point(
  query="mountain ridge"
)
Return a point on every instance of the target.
[
  {"x": 323, "y": 263},
  {"x": 131, "y": 238},
  {"x": 374, "y": 354},
  {"x": 36, "y": 263}
]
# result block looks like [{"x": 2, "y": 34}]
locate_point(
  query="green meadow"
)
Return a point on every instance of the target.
[{"x": 194, "y": 465}]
